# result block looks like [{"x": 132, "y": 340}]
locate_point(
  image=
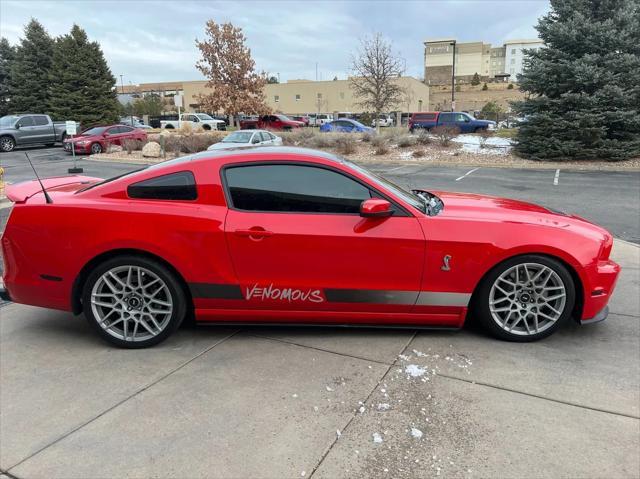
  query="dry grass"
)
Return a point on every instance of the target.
[
  {"x": 445, "y": 134},
  {"x": 406, "y": 141}
]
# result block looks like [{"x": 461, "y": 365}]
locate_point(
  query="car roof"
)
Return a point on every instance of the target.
[
  {"x": 247, "y": 131},
  {"x": 255, "y": 150}
]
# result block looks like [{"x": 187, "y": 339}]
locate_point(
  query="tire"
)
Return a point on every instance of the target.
[
  {"x": 50, "y": 145},
  {"x": 96, "y": 148},
  {"x": 7, "y": 144},
  {"x": 169, "y": 127},
  {"x": 206, "y": 127},
  {"x": 519, "y": 308},
  {"x": 132, "y": 303}
]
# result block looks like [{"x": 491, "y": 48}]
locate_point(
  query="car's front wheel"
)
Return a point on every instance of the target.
[
  {"x": 133, "y": 302},
  {"x": 7, "y": 144},
  {"x": 525, "y": 298},
  {"x": 96, "y": 148}
]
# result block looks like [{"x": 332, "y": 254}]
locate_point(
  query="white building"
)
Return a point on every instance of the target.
[{"x": 514, "y": 55}]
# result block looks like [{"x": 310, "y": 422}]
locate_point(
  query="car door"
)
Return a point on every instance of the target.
[
  {"x": 297, "y": 241},
  {"x": 265, "y": 138},
  {"x": 464, "y": 123},
  {"x": 27, "y": 130},
  {"x": 112, "y": 136},
  {"x": 43, "y": 129},
  {"x": 446, "y": 119}
]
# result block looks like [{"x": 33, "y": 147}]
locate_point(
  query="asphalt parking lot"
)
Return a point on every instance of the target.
[{"x": 331, "y": 402}]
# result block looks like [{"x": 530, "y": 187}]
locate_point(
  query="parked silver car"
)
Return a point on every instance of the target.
[{"x": 247, "y": 138}]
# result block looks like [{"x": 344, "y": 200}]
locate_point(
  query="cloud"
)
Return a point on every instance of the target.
[{"x": 155, "y": 41}]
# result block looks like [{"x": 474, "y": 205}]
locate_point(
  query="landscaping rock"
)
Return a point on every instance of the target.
[
  {"x": 114, "y": 148},
  {"x": 151, "y": 150}
]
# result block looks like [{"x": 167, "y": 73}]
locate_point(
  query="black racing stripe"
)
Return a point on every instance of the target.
[
  {"x": 215, "y": 291},
  {"x": 370, "y": 296}
]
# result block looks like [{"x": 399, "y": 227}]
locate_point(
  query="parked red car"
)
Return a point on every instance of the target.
[
  {"x": 288, "y": 235},
  {"x": 96, "y": 139},
  {"x": 271, "y": 122},
  {"x": 302, "y": 118}
]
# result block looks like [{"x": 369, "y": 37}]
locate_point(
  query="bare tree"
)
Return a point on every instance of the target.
[
  {"x": 375, "y": 71},
  {"x": 227, "y": 63}
]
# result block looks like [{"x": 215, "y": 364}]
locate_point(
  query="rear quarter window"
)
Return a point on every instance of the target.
[
  {"x": 174, "y": 186},
  {"x": 425, "y": 117}
]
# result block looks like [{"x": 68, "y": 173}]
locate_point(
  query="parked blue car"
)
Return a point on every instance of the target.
[
  {"x": 346, "y": 125},
  {"x": 465, "y": 122}
]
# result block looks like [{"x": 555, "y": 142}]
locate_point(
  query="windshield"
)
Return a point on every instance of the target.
[
  {"x": 283, "y": 118},
  {"x": 98, "y": 130},
  {"x": 414, "y": 200},
  {"x": 8, "y": 120},
  {"x": 238, "y": 137},
  {"x": 204, "y": 116}
]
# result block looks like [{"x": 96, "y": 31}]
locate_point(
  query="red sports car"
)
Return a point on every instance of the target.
[
  {"x": 288, "y": 235},
  {"x": 97, "y": 139}
]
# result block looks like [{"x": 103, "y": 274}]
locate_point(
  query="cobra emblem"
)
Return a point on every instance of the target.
[{"x": 445, "y": 263}]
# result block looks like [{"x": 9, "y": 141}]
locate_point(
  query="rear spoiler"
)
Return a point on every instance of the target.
[{"x": 21, "y": 192}]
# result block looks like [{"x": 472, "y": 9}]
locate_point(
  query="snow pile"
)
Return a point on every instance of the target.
[
  {"x": 377, "y": 438},
  {"x": 416, "y": 433},
  {"x": 493, "y": 145},
  {"x": 415, "y": 371}
]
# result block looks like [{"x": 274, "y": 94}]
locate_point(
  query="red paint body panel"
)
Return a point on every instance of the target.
[{"x": 289, "y": 267}]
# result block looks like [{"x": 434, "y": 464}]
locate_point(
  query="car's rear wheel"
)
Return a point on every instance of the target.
[
  {"x": 7, "y": 144},
  {"x": 525, "y": 298},
  {"x": 96, "y": 148},
  {"x": 133, "y": 302}
]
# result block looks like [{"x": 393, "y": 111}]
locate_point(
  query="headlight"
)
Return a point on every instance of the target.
[{"x": 491, "y": 126}]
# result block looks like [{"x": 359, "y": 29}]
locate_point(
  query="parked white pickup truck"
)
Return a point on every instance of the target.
[{"x": 195, "y": 119}]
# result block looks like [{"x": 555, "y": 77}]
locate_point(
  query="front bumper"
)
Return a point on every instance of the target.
[
  {"x": 77, "y": 148},
  {"x": 601, "y": 316}
]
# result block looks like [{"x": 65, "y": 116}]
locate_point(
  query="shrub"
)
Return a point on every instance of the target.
[
  {"x": 382, "y": 149},
  {"x": 378, "y": 141},
  {"x": 130, "y": 145},
  {"x": 298, "y": 137},
  {"x": 406, "y": 141},
  {"x": 418, "y": 153},
  {"x": 368, "y": 137},
  {"x": 346, "y": 144},
  {"x": 510, "y": 87},
  {"x": 324, "y": 140},
  {"x": 485, "y": 87},
  {"x": 393, "y": 133},
  {"x": 423, "y": 138},
  {"x": 444, "y": 134},
  {"x": 484, "y": 136}
]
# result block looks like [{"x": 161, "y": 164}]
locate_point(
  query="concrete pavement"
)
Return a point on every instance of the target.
[{"x": 267, "y": 402}]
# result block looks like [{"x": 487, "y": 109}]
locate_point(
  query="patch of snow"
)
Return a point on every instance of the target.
[
  {"x": 294, "y": 395},
  {"x": 415, "y": 371},
  {"x": 383, "y": 406},
  {"x": 338, "y": 433},
  {"x": 303, "y": 473},
  {"x": 416, "y": 433},
  {"x": 361, "y": 409},
  {"x": 494, "y": 145},
  {"x": 329, "y": 389},
  {"x": 377, "y": 438}
]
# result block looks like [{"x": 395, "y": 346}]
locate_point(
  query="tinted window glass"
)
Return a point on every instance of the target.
[
  {"x": 26, "y": 121},
  {"x": 304, "y": 189},
  {"x": 113, "y": 131},
  {"x": 176, "y": 186},
  {"x": 265, "y": 136},
  {"x": 446, "y": 117},
  {"x": 125, "y": 129},
  {"x": 425, "y": 116},
  {"x": 40, "y": 120}
]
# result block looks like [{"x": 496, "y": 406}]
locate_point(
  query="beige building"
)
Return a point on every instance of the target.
[
  {"x": 473, "y": 57},
  {"x": 294, "y": 96}
]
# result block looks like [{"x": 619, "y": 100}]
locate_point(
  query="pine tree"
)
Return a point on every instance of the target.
[
  {"x": 29, "y": 85},
  {"x": 82, "y": 86},
  {"x": 7, "y": 55},
  {"x": 584, "y": 86},
  {"x": 476, "y": 79}
]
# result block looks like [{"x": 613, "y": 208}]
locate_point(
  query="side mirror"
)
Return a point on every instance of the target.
[
  {"x": 17, "y": 127},
  {"x": 375, "y": 208},
  {"x": 255, "y": 140}
]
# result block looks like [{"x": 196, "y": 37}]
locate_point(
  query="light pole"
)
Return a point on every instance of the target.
[{"x": 453, "y": 77}]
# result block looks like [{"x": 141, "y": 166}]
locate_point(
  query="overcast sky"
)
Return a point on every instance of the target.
[{"x": 154, "y": 41}]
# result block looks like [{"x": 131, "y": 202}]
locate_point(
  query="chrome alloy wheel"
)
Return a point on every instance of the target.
[
  {"x": 527, "y": 299},
  {"x": 131, "y": 303}
]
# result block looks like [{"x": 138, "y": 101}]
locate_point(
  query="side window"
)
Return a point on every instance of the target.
[
  {"x": 271, "y": 136},
  {"x": 264, "y": 136},
  {"x": 446, "y": 117},
  {"x": 294, "y": 188},
  {"x": 113, "y": 131},
  {"x": 125, "y": 129},
  {"x": 175, "y": 186},
  {"x": 461, "y": 117},
  {"x": 26, "y": 121},
  {"x": 40, "y": 120}
]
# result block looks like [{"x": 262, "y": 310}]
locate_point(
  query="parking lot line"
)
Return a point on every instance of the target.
[
  {"x": 467, "y": 174},
  {"x": 556, "y": 178}
]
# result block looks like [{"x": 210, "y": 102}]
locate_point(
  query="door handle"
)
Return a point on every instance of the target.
[{"x": 255, "y": 232}]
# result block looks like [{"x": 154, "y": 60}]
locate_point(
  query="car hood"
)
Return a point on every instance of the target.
[{"x": 491, "y": 208}]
